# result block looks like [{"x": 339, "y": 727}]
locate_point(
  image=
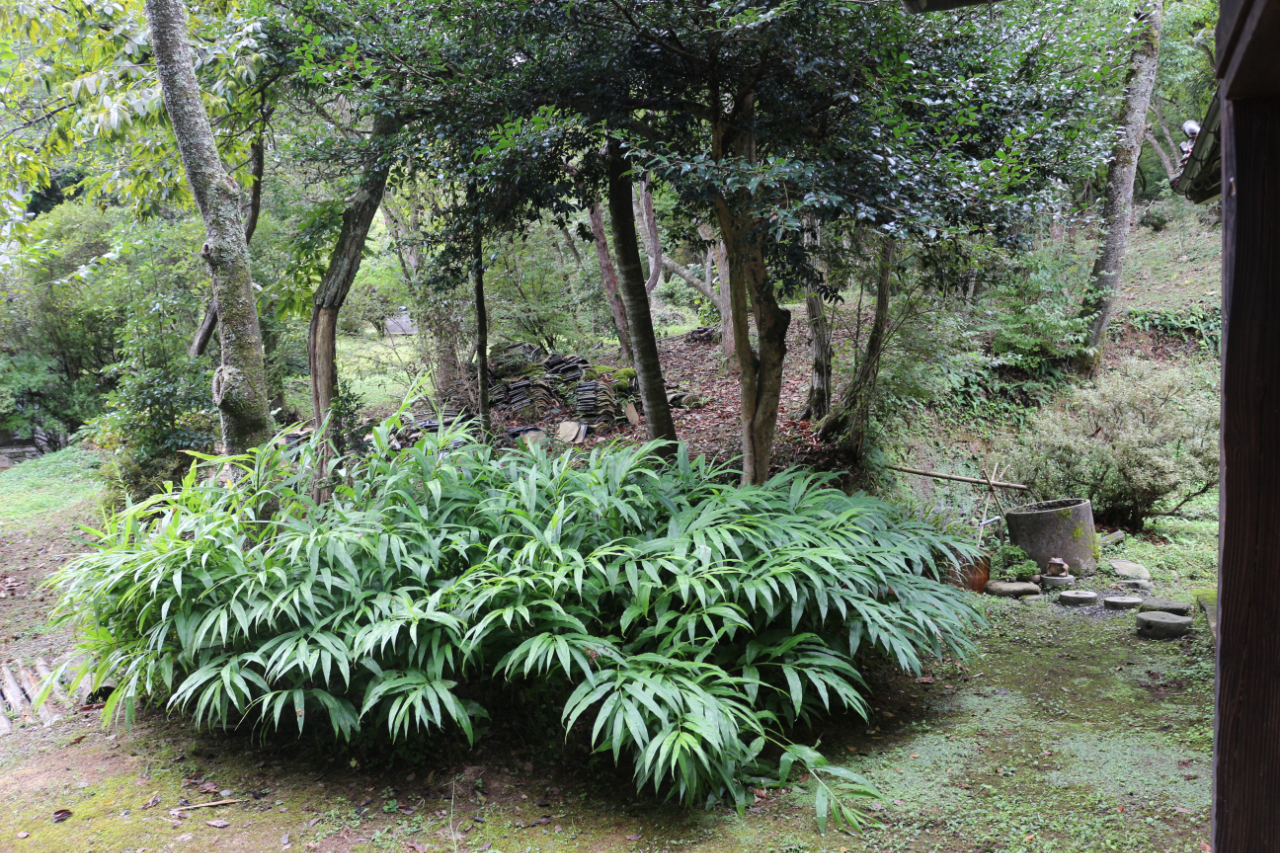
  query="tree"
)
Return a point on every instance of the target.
[
  {"x": 344, "y": 262},
  {"x": 239, "y": 386},
  {"x": 635, "y": 296},
  {"x": 1104, "y": 287}
]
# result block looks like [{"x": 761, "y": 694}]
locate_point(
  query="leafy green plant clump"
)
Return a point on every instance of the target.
[
  {"x": 1141, "y": 441},
  {"x": 683, "y": 623},
  {"x": 1010, "y": 561}
]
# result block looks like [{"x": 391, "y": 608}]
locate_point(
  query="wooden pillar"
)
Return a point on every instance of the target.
[{"x": 1246, "y": 796}]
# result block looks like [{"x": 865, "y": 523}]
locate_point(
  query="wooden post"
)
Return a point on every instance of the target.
[{"x": 1247, "y": 728}]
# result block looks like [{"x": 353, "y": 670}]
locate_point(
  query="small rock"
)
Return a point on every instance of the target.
[
  {"x": 1011, "y": 589},
  {"x": 1130, "y": 569},
  {"x": 1115, "y": 537},
  {"x": 1077, "y": 598},
  {"x": 1159, "y": 625},
  {"x": 24, "y": 835},
  {"x": 1027, "y": 599},
  {"x": 225, "y": 792},
  {"x": 1052, "y": 581},
  {"x": 1135, "y": 583},
  {"x": 1121, "y": 602},
  {"x": 1181, "y": 608}
]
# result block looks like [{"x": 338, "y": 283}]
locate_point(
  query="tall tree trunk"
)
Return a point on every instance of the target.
[
  {"x": 631, "y": 282},
  {"x": 482, "y": 331},
  {"x": 721, "y": 257},
  {"x": 239, "y": 384},
  {"x": 257, "y": 165},
  {"x": 819, "y": 403},
  {"x": 609, "y": 278},
  {"x": 642, "y": 205},
  {"x": 1104, "y": 287},
  {"x": 1170, "y": 169},
  {"x": 760, "y": 369},
  {"x": 852, "y": 414},
  {"x": 344, "y": 263}
]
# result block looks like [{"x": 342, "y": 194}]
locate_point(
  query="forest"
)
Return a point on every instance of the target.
[{"x": 607, "y": 425}]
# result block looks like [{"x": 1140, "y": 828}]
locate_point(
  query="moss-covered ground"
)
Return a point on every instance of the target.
[{"x": 1065, "y": 732}]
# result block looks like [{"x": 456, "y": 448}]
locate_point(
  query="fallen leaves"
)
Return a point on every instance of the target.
[
  {"x": 60, "y": 815},
  {"x": 153, "y": 802}
]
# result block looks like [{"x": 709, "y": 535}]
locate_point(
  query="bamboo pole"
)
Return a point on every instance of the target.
[{"x": 992, "y": 483}]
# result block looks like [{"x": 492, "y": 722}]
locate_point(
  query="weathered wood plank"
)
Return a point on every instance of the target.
[{"x": 1247, "y": 739}]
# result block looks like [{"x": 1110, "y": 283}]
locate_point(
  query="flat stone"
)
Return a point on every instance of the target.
[
  {"x": 1130, "y": 569},
  {"x": 1135, "y": 583},
  {"x": 1011, "y": 589},
  {"x": 1058, "y": 580},
  {"x": 1115, "y": 537},
  {"x": 1152, "y": 605},
  {"x": 1159, "y": 625},
  {"x": 1121, "y": 602},
  {"x": 1027, "y": 599},
  {"x": 1077, "y": 597}
]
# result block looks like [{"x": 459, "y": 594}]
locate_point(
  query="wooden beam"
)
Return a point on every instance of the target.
[
  {"x": 1250, "y": 70},
  {"x": 1247, "y": 737}
]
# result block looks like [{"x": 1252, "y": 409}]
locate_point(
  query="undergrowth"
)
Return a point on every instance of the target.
[{"x": 688, "y": 624}]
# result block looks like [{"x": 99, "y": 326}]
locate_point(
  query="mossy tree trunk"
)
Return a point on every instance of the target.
[
  {"x": 239, "y": 383},
  {"x": 1104, "y": 286},
  {"x": 851, "y": 414},
  {"x": 635, "y": 298}
]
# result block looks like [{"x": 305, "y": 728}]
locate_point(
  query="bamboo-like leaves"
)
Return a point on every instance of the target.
[{"x": 683, "y": 622}]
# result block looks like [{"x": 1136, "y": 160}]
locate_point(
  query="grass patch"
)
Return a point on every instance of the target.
[
  {"x": 48, "y": 484},
  {"x": 1173, "y": 268}
]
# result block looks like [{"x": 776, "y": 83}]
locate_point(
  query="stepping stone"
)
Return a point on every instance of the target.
[
  {"x": 1159, "y": 625},
  {"x": 1078, "y": 598},
  {"x": 1121, "y": 602},
  {"x": 1027, "y": 599},
  {"x": 1130, "y": 569},
  {"x": 1057, "y": 580},
  {"x": 1151, "y": 605},
  {"x": 1135, "y": 583},
  {"x": 1011, "y": 589}
]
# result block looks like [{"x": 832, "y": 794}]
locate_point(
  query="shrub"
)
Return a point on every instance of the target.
[
  {"x": 1143, "y": 440},
  {"x": 1035, "y": 324},
  {"x": 682, "y": 621}
]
